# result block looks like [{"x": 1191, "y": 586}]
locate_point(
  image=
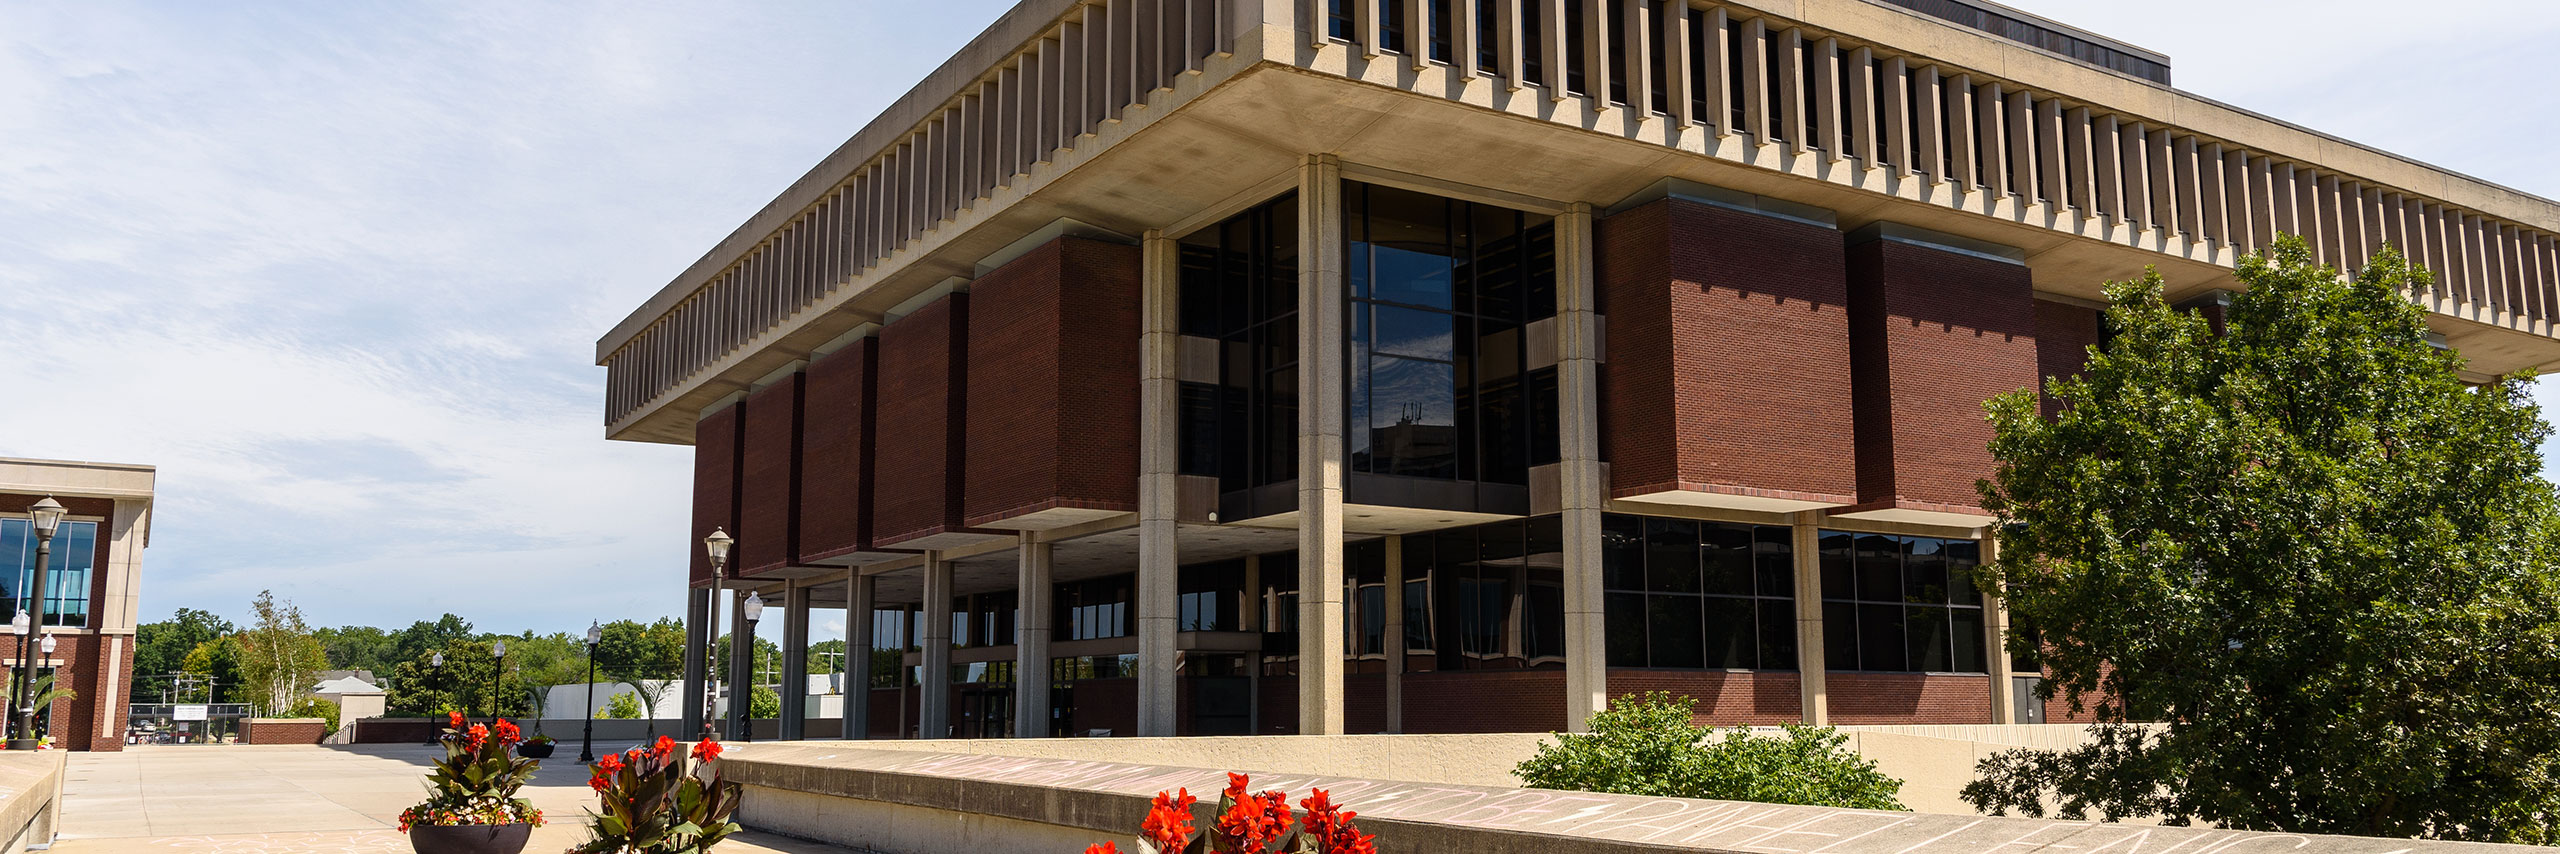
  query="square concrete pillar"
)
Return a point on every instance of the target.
[
  {"x": 1811, "y": 672},
  {"x": 1159, "y": 484},
  {"x": 1394, "y": 648},
  {"x": 857, "y": 654},
  {"x": 1582, "y": 486},
  {"x": 1995, "y": 628},
  {"x": 933, "y": 708},
  {"x": 697, "y": 669},
  {"x": 1321, "y": 381},
  {"x": 794, "y": 692},
  {"x": 1031, "y": 632}
]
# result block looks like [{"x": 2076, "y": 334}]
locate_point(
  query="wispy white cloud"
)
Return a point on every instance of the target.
[{"x": 338, "y": 270}]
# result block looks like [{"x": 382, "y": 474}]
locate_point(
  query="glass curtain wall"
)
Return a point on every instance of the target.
[
  {"x": 1440, "y": 293},
  {"x": 1901, "y": 604},
  {"x": 1239, "y": 287},
  {"x": 66, "y": 588}
]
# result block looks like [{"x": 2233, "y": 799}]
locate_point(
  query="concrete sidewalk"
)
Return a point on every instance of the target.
[{"x": 339, "y": 799}]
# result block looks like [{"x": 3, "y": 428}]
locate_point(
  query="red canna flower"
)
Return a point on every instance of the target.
[
  {"x": 706, "y": 750},
  {"x": 1102, "y": 848},
  {"x": 1168, "y": 823},
  {"x": 1330, "y": 825},
  {"x": 508, "y": 734},
  {"x": 1235, "y": 786},
  {"x": 666, "y": 745},
  {"x": 453, "y": 719},
  {"x": 478, "y": 735}
]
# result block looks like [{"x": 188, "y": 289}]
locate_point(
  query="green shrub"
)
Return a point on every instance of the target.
[
  {"x": 314, "y": 707},
  {"x": 623, "y": 706},
  {"x": 1647, "y": 746}
]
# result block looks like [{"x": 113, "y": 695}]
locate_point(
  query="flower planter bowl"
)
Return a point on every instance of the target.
[
  {"x": 535, "y": 749},
  {"x": 470, "y": 839}
]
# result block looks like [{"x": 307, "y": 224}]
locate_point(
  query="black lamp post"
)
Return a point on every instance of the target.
[
  {"x": 587, "y": 742},
  {"x": 435, "y": 660},
  {"x": 748, "y": 613},
  {"x": 717, "y": 546},
  {"x": 47, "y": 514},
  {"x": 498, "y": 651}
]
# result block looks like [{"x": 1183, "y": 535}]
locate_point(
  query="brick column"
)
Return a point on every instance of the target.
[
  {"x": 1031, "y": 632},
  {"x": 1159, "y": 482},
  {"x": 1320, "y": 446},
  {"x": 1581, "y": 487},
  {"x": 857, "y": 654}
]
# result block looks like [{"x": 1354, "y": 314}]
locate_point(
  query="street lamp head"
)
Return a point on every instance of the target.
[
  {"x": 498, "y": 649},
  {"x": 718, "y": 546},
  {"x": 595, "y": 633},
  {"x": 47, "y": 646},
  {"x": 436, "y": 660},
  {"x": 19, "y": 622},
  {"x": 752, "y": 609},
  {"x": 48, "y": 515}
]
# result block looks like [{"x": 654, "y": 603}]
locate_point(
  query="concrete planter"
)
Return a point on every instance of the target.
[{"x": 470, "y": 839}]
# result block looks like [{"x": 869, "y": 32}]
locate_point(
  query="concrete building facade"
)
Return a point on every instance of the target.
[
  {"x": 91, "y": 606},
  {"x": 1170, "y": 367}
]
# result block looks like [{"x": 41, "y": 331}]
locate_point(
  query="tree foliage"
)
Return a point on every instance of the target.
[
  {"x": 1648, "y": 745},
  {"x": 2306, "y": 547},
  {"x": 468, "y": 681},
  {"x": 215, "y": 665},
  {"x": 623, "y": 706},
  {"x": 359, "y": 648},
  {"x": 161, "y": 648},
  {"x": 279, "y": 659}
]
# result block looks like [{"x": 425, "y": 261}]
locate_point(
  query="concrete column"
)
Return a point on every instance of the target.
[
  {"x": 1995, "y": 630},
  {"x": 933, "y": 708},
  {"x": 858, "y": 630},
  {"x": 794, "y": 722},
  {"x": 1582, "y": 486},
  {"x": 1320, "y": 448},
  {"x": 1031, "y": 632},
  {"x": 1159, "y": 482},
  {"x": 1810, "y": 662},
  {"x": 1251, "y": 612},
  {"x": 1394, "y": 647},
  {"x": 742, "y": 672},
  {"x": 697, "y": 670}
]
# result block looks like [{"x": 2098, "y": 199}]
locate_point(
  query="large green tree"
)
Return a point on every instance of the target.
[
  {"x": 359, "y": 648},
  {"x": 467, "y": 680},
  {"x": 160, "y": 649},
  {"x": 2306, "y": 548}
]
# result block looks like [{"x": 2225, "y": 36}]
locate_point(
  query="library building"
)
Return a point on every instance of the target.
[{"x": 1223, "y": 367}]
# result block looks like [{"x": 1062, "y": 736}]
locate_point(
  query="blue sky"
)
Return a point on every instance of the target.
[{"x": 338, "y": 268}]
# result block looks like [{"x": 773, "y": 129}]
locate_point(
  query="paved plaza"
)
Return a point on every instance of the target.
[{"x": 240, "y": 799}]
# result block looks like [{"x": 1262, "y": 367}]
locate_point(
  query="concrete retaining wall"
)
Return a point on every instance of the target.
[
  {"x": 284, "y": 731},
  {"x": 902, "y": 801},
  {"x": 30, "y": 799}
]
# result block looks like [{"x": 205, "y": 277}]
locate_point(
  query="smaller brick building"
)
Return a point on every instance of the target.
[{"x": 95, "y": 577}]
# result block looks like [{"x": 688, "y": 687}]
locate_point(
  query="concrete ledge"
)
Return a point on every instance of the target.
[
  {"x": 907, "y": 801},
  {"x": 30, "y": 798}
]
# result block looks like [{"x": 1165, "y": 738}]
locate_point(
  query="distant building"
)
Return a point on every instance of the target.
[
  {"x": 1181, "y": 367},
  {"x": 91, "y": 602}
]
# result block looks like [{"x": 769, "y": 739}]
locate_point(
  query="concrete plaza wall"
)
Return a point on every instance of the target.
[
  {"x": 1933, "y": 762},
  {"x": 30, "y": 799},
  {"x": 900, "y": 801}
]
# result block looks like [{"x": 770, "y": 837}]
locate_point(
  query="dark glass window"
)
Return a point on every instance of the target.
[
  {"x": 1486, "y": 597},
  {"x": 1440, "y": 291},
  {"x": 983, "y": 619},
  {"x": 1894, "y": 603},
  {"x": 1684, "y": 593},
  {"x": 1337, "y": 18},
  {"x": 66, "y": 586},
  {"x": 1212, "y": 596},
  {"x": 1279, "y": 604},
  {"x": 1099, "y": 608},
  {"x": 1573, "y": 52},
  {"x": 1240, "y": 287}
]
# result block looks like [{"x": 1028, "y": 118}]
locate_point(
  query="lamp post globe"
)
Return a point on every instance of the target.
[
  {"x": 45, "y": 516},
  {"x": 435, "y": 660},
  {"x": 587, "y": 742},
  {"x": 497, "y": 677}
]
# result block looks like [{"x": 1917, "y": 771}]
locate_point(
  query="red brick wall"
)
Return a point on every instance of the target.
[
  {"x": 715, "y": 484},
  {"x": 1934, "y": 334},
  {"x": 1725, "y": 698},
  {"x": 1110, "y": 704},
  {"x": 1908, "y": 698},
  {"x": 1364, "y": 703},
  {"x": 1728, "y": 363},
  {"x": 2064, "y": 334},
  {"x": 835, "y": 451},
  {"x": 919, "y": 450},
  {"x": 393, "y": 730},
  {"x": 768, "y": 529},
  {"x": 284, "y": 732},
  {"x": 1276, "y": 705},
  {"x": 1484, "y": 701},
  {"x": 1053, "y": 382}
]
